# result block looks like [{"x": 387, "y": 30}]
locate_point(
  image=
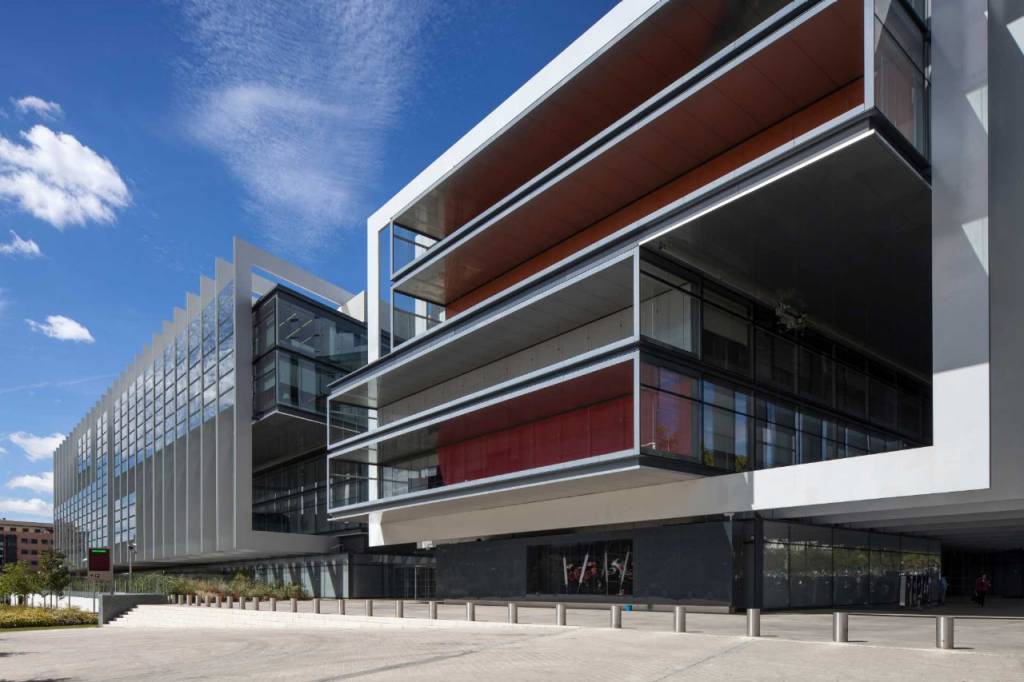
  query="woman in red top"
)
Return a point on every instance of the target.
[{"x": 981, "y": 588}]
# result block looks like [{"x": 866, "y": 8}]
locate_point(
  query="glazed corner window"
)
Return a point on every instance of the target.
[{"x": 669, "y": 312}]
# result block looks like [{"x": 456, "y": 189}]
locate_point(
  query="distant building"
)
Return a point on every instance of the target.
[
  {"x": 24, "y": 541},
  {"x": 207, "y": 454}
]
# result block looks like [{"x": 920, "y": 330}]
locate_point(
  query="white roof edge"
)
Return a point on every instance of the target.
[{"x": 593, "y": 41}]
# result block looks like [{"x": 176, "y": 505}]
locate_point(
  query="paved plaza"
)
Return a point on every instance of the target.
[{"x": 794, "y": 646}]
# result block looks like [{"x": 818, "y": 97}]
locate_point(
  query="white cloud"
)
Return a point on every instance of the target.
[
  {"x": 62, "y": 328},
  {"x": 43, "y": 483},
  {"x": 32, "y": 507},
  {"x": 3, "y": 450},
  {"x": 20, "y": 247},
  {"x": 299, "y": 113},
  {"x": 56, "y": 178},
  {"x": 36, "y": 447},
  {"x": 38, "y": 106}
]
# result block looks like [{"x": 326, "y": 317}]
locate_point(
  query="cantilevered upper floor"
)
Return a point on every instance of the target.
[{"x": 733, "y": 276}]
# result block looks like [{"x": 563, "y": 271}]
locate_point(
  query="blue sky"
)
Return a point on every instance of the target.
[{"x": 137, "y": 137}]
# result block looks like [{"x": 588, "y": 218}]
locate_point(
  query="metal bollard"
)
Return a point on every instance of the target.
[
  {"x": 559, "y": 614},
  {"x": 181, "y": 599},
  {"x": 679, "y": 619},
  {"x": 753, "y": 622},
  {"x": 295, "y": 605},
  {"x": 470, "y": 611},
  {"x": 369, "y": 607},
  {"x": 316, "y": 605},
  {"x": 616, "y": 616},
  {"x": 341, "y": 606},
  {"x": 944, "y": 632},
  {"x": 273, "y": 603},
  {"x": 513, "y": 613},
  {"x": 256, "y": 603},
  {"x": 231, "y": 601},
  {"x": 241, "y": 603},
  {"x": 218, "y": 601},
  {"x": 840, "y": 626},
  {"x": 399, "y": 608},
  {"x": 432, "y": 610}
]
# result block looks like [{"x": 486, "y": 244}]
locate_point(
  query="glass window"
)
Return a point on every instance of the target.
[
  {"x": 851, "y": 391},
  {"x": 882, "y": 403},
  {"x": 776, "y": 434},
  {"x": 670, "y": 412},
  {"x": 727, "y": 425},
  {"x": 266, "y": 324},
  {"x": 901, "y": 90},
  {"x": 810, "y": 575},
  {"x": 604, "y": 568},
  {"x": 776, "y": 361},
  {"x": 726, "y": 340},
  {"x": 816, "y": 374},
  {"x": 668, "y": 312},
  {"x": 776, "y": 575},
  {"x": 852, "y": 576},
  {"x": 312, "y": 332},
  {"x": 910, "y": 410},
  {"x": 297, "y": 382}
]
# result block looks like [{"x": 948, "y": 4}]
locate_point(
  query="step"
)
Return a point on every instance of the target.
[{"x": 159, "y": 616}]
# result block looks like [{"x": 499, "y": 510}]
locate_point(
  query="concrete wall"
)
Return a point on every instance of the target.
[{"x": 113, "y": 605}]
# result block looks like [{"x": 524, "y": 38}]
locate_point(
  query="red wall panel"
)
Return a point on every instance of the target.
[{"x": 593, "y": 430}]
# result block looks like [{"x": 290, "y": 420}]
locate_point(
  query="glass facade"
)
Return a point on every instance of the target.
[
  {"x": 125, "y": 456},
  {"x": 815, "y": 566},
  {"x": 292, "y": 498},
  {"x": 727, "y": 386},
  {"x": 299, "y": 348}
]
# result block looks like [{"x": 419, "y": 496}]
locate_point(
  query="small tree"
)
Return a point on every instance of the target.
[
  {"x": 20, "y": 580},
  {"x": 54, "y": 575}
]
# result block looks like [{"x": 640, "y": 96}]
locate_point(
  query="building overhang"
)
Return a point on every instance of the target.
[
  {"x": 631, "y": 53},
  {"x": 818, "y": 53},
  {"x": 842, "y": 236},
  {"x": 461, "y": 346},
  {"x": 563, "y": 388},
  {"x": 284, "y": 434},
  {"x": 603, "y": 473}
]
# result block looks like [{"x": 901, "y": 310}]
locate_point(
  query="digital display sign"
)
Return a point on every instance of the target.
[{"x": 99, "y": 563}]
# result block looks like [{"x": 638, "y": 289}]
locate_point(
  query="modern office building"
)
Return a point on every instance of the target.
[
  {"x": 207, "y": 453},
  {"x": 24, "y": 541},
  {"x": 722, "y": 306}
]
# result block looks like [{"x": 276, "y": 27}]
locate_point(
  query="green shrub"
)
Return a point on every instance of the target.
[{"x": 35, "y": 617}]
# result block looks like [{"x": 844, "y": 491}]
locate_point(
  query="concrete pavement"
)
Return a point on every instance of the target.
[{"x": 795, "y": 646}]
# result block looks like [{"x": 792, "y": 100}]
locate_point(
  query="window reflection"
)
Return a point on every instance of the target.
[
  {"x": 301, "y": 347},
  {"x": 900, "y": 61}
]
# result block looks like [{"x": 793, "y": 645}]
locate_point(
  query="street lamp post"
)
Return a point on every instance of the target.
[{"x": 131, "y": 554}]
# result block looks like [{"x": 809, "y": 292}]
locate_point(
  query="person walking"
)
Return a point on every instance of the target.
[
  {"x": 981, "y": 588},
  {"x": 943, "y": 586}
]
